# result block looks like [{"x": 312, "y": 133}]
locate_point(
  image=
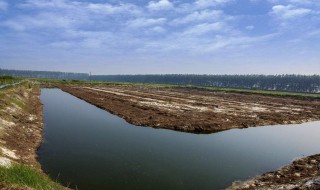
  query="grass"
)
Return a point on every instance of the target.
[
  {"x": 7, "y": 80},
  {"x": 25, "y": 176},
  {"x": 18, "y": 103},
  {"x": 264, "y": 92}
]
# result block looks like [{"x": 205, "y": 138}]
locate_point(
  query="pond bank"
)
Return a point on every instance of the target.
[
  {"x": 303, "y": 173},
  {"x": 20, "y": 136},
  {"x": 195, "y": 110}
]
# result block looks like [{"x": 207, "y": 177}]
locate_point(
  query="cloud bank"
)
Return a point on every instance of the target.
[{"x": 219, "y": 34}]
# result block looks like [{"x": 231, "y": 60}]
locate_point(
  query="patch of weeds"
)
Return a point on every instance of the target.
[
  {"x": 18, "y": 103},
  {"x": 25, "y": 176}
]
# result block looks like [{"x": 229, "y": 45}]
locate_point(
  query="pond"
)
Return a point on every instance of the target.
[{"x": 88, "y": 148}]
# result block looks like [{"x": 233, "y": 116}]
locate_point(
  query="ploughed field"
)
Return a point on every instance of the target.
[{"x": 195, "y": 110}]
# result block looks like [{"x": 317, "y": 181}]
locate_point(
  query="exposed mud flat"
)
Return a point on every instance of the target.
[
  {"x": 194, "y": 110},
  {"x": 303, "y": 173}
]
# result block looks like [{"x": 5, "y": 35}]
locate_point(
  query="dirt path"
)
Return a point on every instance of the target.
[{"x": 194, "y": 110}]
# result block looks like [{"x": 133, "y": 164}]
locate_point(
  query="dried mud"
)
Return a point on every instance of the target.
[{"x": 194, "y": 110}]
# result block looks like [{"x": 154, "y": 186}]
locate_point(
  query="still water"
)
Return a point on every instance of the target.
[{"x": 91, "y": 149}]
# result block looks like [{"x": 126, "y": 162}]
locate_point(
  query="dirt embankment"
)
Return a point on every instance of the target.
[
  {"x": 194, "y": 110},
  {"x": 303, "y": 173},
  {"x": 20, "y": 124},
  {"x": 20, "y": 129}
]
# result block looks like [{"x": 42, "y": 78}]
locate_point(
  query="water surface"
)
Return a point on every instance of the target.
[{"x": 91, "y": 149}]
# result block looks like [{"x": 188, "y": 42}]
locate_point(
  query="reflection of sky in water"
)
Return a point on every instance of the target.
[{"x": 87, "y": 146}]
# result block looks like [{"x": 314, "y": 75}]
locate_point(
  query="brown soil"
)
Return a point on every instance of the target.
[
  {"x": 23, "y": 134},
  {"x": 194, "y": 110},
  {"x": 20, "y": 128},
  {"x": 301, "y": 174}
]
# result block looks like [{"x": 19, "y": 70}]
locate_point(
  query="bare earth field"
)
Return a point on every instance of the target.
[{"x": 195, "y": 110}]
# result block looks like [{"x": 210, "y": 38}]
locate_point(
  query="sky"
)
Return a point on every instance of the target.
[{"x": 161, "y": 36}]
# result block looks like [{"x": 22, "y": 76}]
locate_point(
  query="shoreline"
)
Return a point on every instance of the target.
[
  {"x": 20, "y": 138},
  {"x": 195, "y": 111},
  {"x": 303, "y": 173}
]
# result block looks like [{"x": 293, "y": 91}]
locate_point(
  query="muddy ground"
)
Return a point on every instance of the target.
[
  {"x": 303, "y": 173},
  {"x": 195, "y": 110}
]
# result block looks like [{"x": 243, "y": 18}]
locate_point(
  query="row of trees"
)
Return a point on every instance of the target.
[
  {"x": 7, "y": 80},
  {"x": 292, "y": 83},
  {"x": 44, "y": 74}
]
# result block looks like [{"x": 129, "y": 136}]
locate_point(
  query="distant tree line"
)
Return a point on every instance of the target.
[
  {"x": 291, "y": 83},
  {"x": 43, "y": 74}
]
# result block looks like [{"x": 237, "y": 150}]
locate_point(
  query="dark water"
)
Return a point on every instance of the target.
[{"x": 93, "y": 149}]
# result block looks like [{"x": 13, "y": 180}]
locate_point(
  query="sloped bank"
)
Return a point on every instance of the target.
[
  {"x": 303, "y": 173},
  {"x": 20, "y": 136}
]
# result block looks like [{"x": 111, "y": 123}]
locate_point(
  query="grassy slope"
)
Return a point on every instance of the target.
[{"x": 21, "y": 176}]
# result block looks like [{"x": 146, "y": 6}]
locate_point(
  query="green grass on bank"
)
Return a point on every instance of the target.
[
  {"x": 8, "y": 80},
  {"x": 24, "y": 176},
  {"x": 246, "y": 91}
]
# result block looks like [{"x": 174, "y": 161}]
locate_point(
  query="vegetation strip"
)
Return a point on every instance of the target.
[
  {"x": 244, "y": 91},
  {"x": 289, "y": 82}
]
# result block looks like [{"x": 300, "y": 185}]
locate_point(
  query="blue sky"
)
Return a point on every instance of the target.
[{"x": 161, "y": 36}]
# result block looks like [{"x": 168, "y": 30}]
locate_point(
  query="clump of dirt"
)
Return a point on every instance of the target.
[
  {"x": 303, "y": 173},
  {"x": 195, "y": 110}
]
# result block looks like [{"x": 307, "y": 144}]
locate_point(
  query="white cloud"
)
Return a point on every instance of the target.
[
  {"x": 158, "y": 29},
  {"x": 289, "y": 11},
  {"x": 250, "y": 27},
  {"x": 204, "y": 15},
  {"x": 143, "y": 22},
  {"x": 47, "y": 4},
  {"x": 82, "y": 7},
  {"x": 3, "y": 5},
  {"x": 111, "y": 9},
  {"x": 68, "y": 14},
  {"x": 298, "y": 2},
  {"x": 204, "y": 28},
  {"x": 42, "y": 20},
  {"x": 160, "y": 5},
  {"x": 209, "y": 3}
]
